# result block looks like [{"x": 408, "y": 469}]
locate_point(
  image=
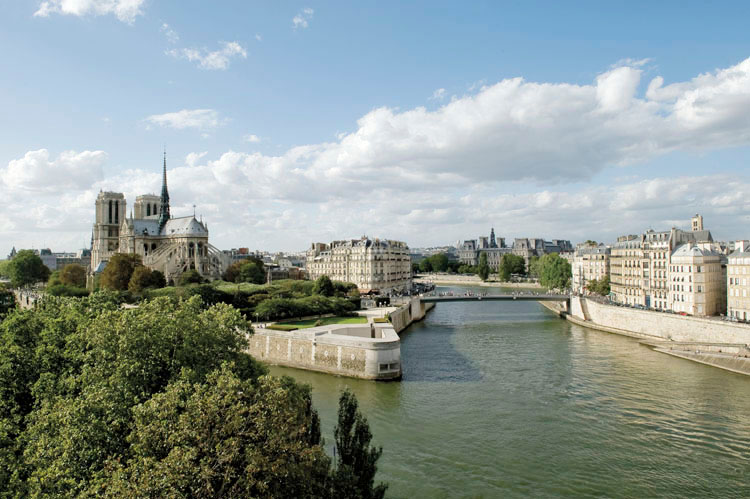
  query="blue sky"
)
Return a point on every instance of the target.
[{"x": 428, "y": 121}]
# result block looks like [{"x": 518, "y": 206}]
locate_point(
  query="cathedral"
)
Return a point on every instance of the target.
[{"x": 169, "y": 245}]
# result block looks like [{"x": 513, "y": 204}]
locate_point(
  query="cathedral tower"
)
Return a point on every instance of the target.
[{"x": 110, "y": 212}]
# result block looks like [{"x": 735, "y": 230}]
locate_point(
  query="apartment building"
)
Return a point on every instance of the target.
[
  {"x": 589, "y": 263},
  {"x": 697, "y": 280},
  {"x": 738, "y": 281}
]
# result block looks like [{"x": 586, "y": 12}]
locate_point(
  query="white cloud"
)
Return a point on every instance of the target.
[
  {"x": 252, "y": 138},
  {"x": 303, "y": 18},
  {"x": 258, "y": 37},
  {"x": 187, "y": 118},
  {"x": 171, "y": 34},
  {"x": 70, "y": 170},
  {"x": 516, "y": 155},
  {"x": 211, "y": 60},
  {"x": 438, "y": 94},
  {"x": 125, "y": 10}
]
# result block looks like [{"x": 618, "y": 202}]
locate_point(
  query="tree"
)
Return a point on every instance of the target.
[
  {"x": 534, "y": 266},
  {"x": 600, "y": 287},
  {"x": 356, "y": 459},
  {"x": 116, "y": 275},
  {"x": 7, "y": 301},
  {"x": 191, "y": 276},
  {"x": 439, "y": 262},
  {"x": 253, "y": 272},
  {"x": 140, "y": 280},
  {"x": 425, "y": 265},
  {"x": 323, "y": 286},
  {"x": 232, "y": 273},
  {"x": 5, "y": 269},
  {"x": 483, "y": 269},
  {"x": 510, "y": 264},
  {"x": 414, "y": 268},
  {"x": 157, "y": 280},
  {"x": 27, "y": 268},
  {"x": 554, "y": 271},
  {"x": 73, "y": 275}
]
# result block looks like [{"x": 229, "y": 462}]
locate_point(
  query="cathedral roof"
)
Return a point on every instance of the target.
[
  {"x": 184, "y": 226},
  {"x": 147, "y": 226}
]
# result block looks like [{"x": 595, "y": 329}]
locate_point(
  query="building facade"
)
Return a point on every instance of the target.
[
  {"x": 697, "y": 280},
  {"x": 373, "y": 265},
  {"x": 171, "y": 245},
  {"x": 589, "y": 263},
  {"x": 738, "y": 281},
  {"x": 626, "y": 273}
]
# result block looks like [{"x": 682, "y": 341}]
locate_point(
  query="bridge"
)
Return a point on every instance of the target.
[{"x": 503, "y": 297}]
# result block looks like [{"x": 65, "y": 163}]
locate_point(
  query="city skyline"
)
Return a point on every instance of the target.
[{"x": 313, "y": 122}]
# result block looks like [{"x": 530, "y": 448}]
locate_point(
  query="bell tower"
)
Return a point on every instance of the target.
[{"x": 110, "y": 212}]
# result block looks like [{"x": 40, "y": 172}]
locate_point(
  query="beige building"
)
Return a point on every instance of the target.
[
  {"x": 625, "y": 272},
  {"x": 169, "y": 245},
  {"x": 372, "y": 264},
  {"x": 738, "y": 281},
  {"x": 589, "y": 263},
  {"x": 697, "y": 280},
  {"x": 656, "y": 252}
]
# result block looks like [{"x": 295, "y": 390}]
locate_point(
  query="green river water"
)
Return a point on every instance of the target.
[{"x": 504, "y": 399}]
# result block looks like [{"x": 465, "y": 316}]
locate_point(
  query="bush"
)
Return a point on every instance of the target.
[
  {"x": 63, "y": 290},
  {"x": 190, "y": 277},
  {"x": 281, "y": 327}
]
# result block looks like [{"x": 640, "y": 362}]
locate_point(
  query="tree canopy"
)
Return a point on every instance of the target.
[
  {"x": 27, "y": 268},
  {"x": 116, "y": 275},
  {"x": 158, "y": 400},
  {"x": 73, "y": 274},
  {"x": 554, "y": 271},
  {"x": 323, "y": 286},
  {"x": 510, "y": 264},
  {"x": 599, "y": 286},
  {"x": 241, "y": 271},
  {"x": 483, "y": 269}
]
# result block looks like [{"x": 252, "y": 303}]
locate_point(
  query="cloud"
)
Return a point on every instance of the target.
[
  {"x": 252, "y": 138},
  {"x": 171, "y": 34},
  {"x": 216, "y": 60},
  {"x": 303, "y": 18},
  {"x": 187, "y": 118},
  {"x": 125, "y": 10},
  {"x": 515, "y": 155},
  {"x": 438, "y": 94},
  {"x": 37, "y": 172},
  {"x": 258, "y": 37}
]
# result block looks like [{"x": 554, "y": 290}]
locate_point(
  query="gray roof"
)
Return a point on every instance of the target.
[
  {"x": 184, "y": 226},
  {"x": 688, "y": 250},
  {"x": 146, "y": 226}
]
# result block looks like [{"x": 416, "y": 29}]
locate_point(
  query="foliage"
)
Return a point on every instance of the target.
[
  {"x": 7, "y": 301},
  {"x": 534, "y": 270},
  {"x": 5, "y": 269},
  {"x": 467, "y": 269},
  {"x": 483, "y": 269},
  {"x": 323, "y": 286},
  {"x": 116, "y": 275},
  {"x": 73, "y": 275},
  {"x": 357, "y": 460},
  {"x": 283, "y": 308},
  {"x": 554, "y": 271},
  {"x": 72, "y": 370},
  {"x": 253, "y": 272},
  {"x": 64, "y": 290},
  {"x": 144, "y": 278},
  {"x": 190, "y": 277},
  {"x": 324, "y": 321},
  {"x": 510, "y": 264},
  {"x": 27, "y": 268},
  {"x": 54, "y": 279},
  {"x": 600, "y": 286}
]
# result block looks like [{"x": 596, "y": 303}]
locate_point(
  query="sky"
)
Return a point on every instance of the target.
[{"x": 430, "y": 122}]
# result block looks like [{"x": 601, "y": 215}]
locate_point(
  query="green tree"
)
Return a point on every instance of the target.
[
  {"x": 439, "y": 262},
  {"x": 7, "y": 301},
  {"x": 27, "y": 268},
  {"x": 73, "y": 275},
  {"x": 554, "y": 271},
  {"x": 253, "y": 272},
  {"x": 425, "y": 265},
  {"x": 116, "y": 275},
  {"x": 483, "y": 269},
  {"x": 157, "y": 280},
  {"x": 323, "y": 286},
  {"x": 5, "y": 269},
  {"x": 191, "y": 276},
  {"x": 140, "y": 280},
  {"x": 510, "y": 264},
  {"x": 356, "y": 459},
  {"x": 534, "y": 270},
  {"x": 600, "y": 286}
]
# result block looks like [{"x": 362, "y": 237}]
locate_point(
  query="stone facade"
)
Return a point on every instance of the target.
[
  {"x": 589, "y": 263},
  {"x": 738, "y": 282},
  {"x": 697, "y": 280},
  {"x": 626, "y": 272},
  {"x": 372, "y": 264},
  {"x": 169, "y": 245}
]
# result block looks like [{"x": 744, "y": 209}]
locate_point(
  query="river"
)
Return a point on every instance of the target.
[{"x": 504, "y": 399}]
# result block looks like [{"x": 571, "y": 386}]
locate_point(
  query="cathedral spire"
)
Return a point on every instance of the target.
[{"x": 164, "y": 210}]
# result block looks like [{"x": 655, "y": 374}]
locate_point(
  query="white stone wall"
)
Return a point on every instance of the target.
[{"x": 659, "y": 324}]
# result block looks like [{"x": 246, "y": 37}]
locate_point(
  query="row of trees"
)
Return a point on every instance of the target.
[
  {"x": 249, "y": 270},
  {"x": 161, "y": 401}
]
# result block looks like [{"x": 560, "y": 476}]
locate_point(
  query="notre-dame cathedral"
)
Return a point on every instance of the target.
[{"x": 169, "y": 245}]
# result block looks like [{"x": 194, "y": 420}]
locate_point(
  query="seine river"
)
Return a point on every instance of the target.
[{"x": 504, "y": 399}]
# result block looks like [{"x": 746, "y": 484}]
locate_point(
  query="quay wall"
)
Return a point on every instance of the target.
[
  {"x": 340, "y": 349},
  {"x": 411, "y": 311},
  {"x": 657, "y": 325}
]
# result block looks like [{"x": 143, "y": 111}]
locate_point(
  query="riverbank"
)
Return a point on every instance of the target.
[
  {"x": 470, "y": 280},
  {"x": 707, "y": 341}
]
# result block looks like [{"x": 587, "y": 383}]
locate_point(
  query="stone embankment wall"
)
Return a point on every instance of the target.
[
  {"x": 347, "y": 350},
  {"x": 25, "y": 298},
  {"x": 653, "y": 325},
  {"x": 409, "y": 312}
]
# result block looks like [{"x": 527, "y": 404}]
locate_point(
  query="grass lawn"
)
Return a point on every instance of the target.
[{"x": 325, "y": 321}]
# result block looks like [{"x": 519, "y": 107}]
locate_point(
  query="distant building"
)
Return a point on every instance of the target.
[
  {"x": 589, "y": 263},
  {"x": 625, "y": 272},
  {"x": 738, "y": 281},
  {"x": 373, "y": 265},
  {"x": 697, "y": 280}
]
